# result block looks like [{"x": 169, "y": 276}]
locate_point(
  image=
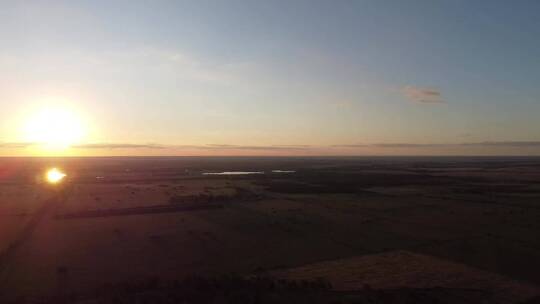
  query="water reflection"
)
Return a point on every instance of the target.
[{"x": 233, "y": 173}]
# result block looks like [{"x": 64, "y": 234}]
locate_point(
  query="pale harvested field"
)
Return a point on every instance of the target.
[{"x": 402, "y": 269}]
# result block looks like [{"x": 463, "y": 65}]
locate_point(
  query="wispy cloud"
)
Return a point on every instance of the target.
[
  {"x": 200, "y": 147},
  {"x": 436, "y": 145},
  {"x": 289, "y": 147},
  {"x": 242, "y": 147},
  {"x": 423, "y": 95},
  {"x": 231, "y": 149},
  {"x": 118, "y": 146},
  {"x": 17, "y": 145},
  {"x": 350, "y": 146},
  {"x": 505, "y": 144},
  {"x": 408, "y": 145}
]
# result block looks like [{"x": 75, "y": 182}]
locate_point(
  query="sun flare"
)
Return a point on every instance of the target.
[
  {"x": 55, "y": 128},
  {"x": 54, "y": 176}
]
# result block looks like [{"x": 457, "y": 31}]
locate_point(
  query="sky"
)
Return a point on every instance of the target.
[{"x": 270, "y": 77}]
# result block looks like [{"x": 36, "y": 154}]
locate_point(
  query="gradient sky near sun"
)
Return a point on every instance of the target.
[{"x": 274, "y": 77}]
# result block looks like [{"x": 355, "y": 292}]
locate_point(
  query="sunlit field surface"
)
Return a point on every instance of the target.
[
  {"x": 54, "y": 176},
  {"x": 454, "y": 221}
]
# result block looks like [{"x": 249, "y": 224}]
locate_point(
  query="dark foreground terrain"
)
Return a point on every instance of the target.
[{"x": 300, "y": 230}]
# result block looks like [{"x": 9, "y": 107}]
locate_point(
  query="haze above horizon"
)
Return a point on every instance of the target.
[{"x": 277, "y": 78}]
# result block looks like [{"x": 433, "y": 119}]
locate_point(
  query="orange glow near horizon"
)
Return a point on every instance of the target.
[{"x": 53, "y": 129}]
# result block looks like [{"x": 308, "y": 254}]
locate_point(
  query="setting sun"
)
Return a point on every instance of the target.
[
  {"x": 54, "y": 128},
  {"x": 54, "y": 176}
]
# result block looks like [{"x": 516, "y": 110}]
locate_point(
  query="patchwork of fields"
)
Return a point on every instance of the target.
[{"x": 121, "y": 219}]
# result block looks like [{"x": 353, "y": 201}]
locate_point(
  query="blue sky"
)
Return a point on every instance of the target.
[{"x": 325, "y": 74}]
